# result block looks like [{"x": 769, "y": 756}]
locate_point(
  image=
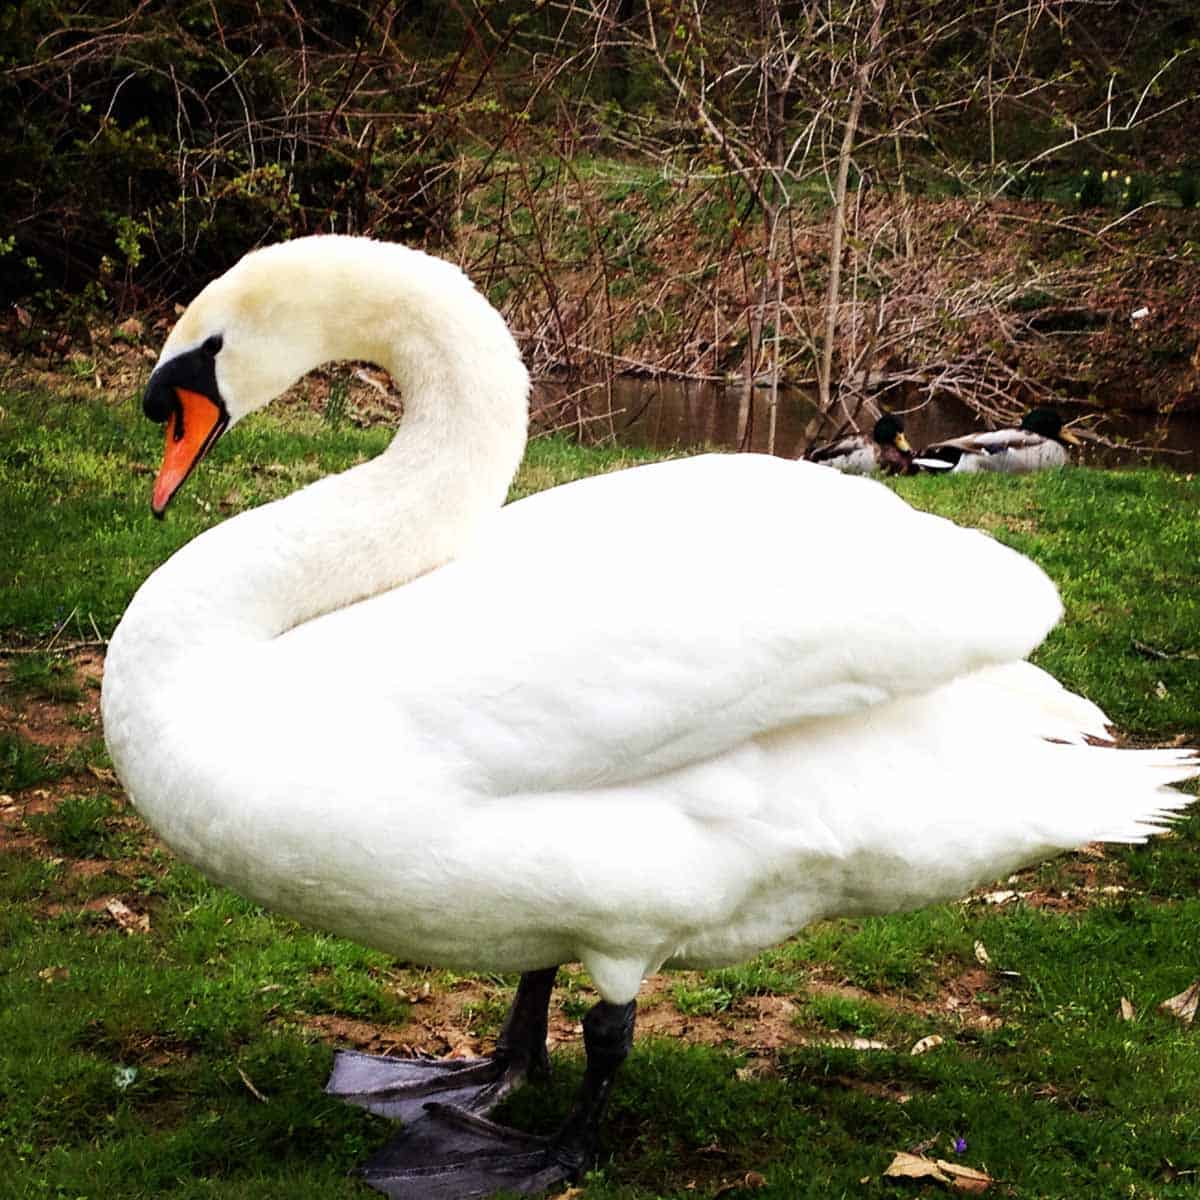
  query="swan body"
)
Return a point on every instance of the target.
[
  {"x": 1039, "y": 444},
  {"x": 885, "y": 451},
  {"x": 612, "y": 723}
]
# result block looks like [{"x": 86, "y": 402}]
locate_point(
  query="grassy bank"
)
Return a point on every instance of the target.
[{"x": 162, "y": 1037}]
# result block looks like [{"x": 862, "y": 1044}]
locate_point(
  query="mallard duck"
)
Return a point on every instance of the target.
[
  {"x": 613, "y": 723},
  {"x": 1040, "y": 442},
  {"x": 886, "y": 450}
]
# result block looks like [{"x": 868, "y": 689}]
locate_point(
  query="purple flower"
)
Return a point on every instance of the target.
[{"x": 960, "y": 1145}]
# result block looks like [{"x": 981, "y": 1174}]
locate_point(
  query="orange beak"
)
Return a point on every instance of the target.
[{"x": 193, "y": 426}]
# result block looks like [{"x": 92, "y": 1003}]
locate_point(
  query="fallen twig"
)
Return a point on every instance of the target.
[
  {"x": 65, "y": 648},
  {"x": 1149, "y": 651}
]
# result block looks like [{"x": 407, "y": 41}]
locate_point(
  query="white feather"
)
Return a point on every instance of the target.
[{"x": 636, "y": 720}]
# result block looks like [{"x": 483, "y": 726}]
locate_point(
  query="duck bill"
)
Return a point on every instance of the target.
[
  {"x": 902, "y": 443},
  {"x": 1072, "y": 439},
  {"x": 194, "y": 424}
]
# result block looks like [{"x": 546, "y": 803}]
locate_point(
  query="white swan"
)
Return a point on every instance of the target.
[{"x": 614, "y": 723}]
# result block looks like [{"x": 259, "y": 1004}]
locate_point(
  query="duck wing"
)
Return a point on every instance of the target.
[
  {"x": 995, "y": 441},
  {"x": 632, "y": 623},
  {"x": 838, "y": 449},
  {"x": 856, "y": 454}
]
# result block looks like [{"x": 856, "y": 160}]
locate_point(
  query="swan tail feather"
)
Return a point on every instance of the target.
[{"x": 1133, "y": 797}]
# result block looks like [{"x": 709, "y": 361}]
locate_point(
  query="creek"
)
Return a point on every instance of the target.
[{"x": 666, "y": 413}]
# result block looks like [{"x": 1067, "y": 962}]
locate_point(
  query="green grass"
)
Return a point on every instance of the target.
[
  {"x": 1123, "y": 548},
  {"x": 128, "y": 1061},
  {"x": 76, "y": 538},
  {"x": 24, "y": 764},
  {"x": 47, "y": 676}
]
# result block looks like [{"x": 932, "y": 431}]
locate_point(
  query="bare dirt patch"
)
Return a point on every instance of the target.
[{"x": 1071, "y": 883}]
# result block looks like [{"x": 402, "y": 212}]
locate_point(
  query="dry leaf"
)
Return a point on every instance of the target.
[
  {"x": 104, "y": 774},
  {"x": 124, "y": 916},
  {"x": 966, "y": 1179},
  {"x": 981, "y": 955},
  {"x": 1128, "y": 1012},
  {"x": 928, "y": 1043},
  {"x": 1184, "y": 1005},
  {"x": 1002, "y": 897},
  {"x": 752, "y": 1179},
  {"x": 913, "y": 1166},
  {"x": 54, "y": 974}
]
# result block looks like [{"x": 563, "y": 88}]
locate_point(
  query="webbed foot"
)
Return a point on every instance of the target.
[
  {"x": 450, "y": 1154},
  {"x": 400, "y": 1088}
]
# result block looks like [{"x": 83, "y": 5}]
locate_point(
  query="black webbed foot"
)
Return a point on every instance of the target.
[
  {"x": 451, "y": 1154},
  {"x": 454, "y": 1155},
  {"x": 400, "y": 1088}
]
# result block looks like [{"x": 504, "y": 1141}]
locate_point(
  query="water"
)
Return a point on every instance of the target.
[{"x": 667, "y": 414}]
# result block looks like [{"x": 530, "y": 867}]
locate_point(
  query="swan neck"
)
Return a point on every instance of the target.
[{"x": 387, "y": 521}]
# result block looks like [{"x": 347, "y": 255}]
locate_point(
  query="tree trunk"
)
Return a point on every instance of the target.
[{"x": 862, "y": 79}]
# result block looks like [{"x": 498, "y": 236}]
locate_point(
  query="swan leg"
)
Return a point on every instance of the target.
[
  {"x": 451, "y": 1154},
  {"x": 401, "y": 1087}
]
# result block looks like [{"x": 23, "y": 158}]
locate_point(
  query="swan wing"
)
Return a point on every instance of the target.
[{"x": 633, "y": 623}]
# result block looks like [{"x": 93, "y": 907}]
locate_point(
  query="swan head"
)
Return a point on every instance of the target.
[
  {"x": 284, "y": 309},
  {"x": 183, "y": 394},
  {"x": 230, "y": 353},
  {"x": 246, "y": 338}
]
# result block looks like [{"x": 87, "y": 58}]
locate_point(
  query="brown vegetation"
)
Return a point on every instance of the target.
[{"x": 851, "y": 194}]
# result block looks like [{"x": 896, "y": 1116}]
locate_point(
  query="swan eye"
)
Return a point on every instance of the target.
[{"x": 212, "y": 345}]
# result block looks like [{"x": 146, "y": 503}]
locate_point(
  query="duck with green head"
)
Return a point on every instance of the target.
[
  {"x": 885, "y": 452},
  {"x": 1039, "y": 443}
]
